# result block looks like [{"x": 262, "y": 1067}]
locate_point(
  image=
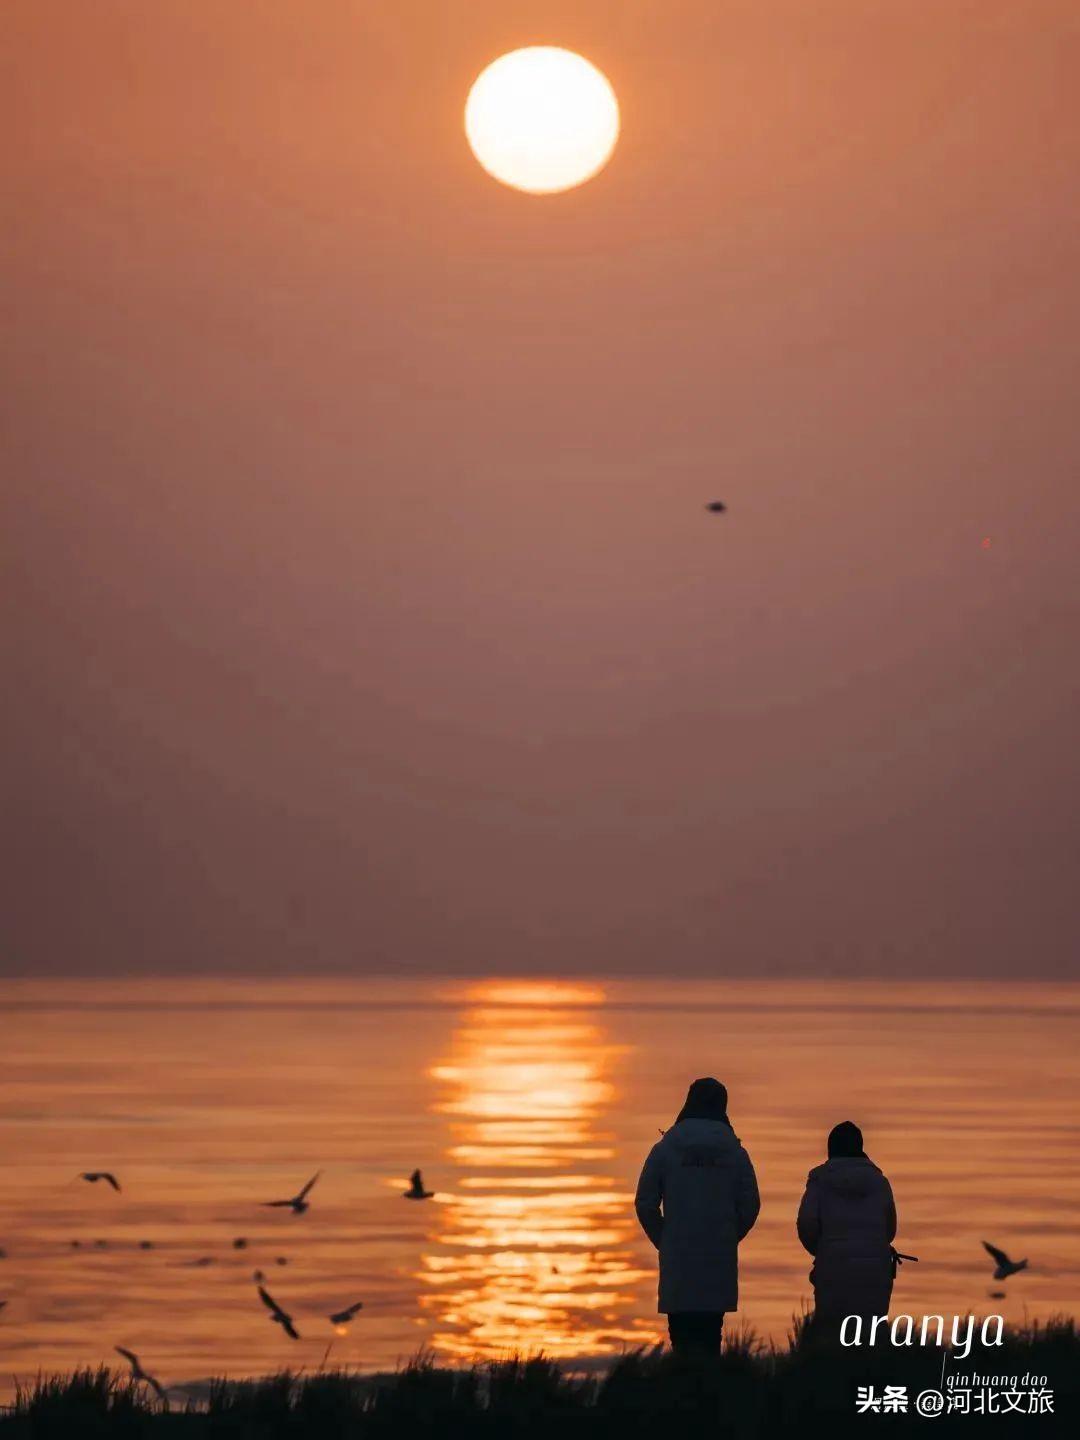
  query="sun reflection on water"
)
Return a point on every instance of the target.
[{"x": 535, "y": 1242}]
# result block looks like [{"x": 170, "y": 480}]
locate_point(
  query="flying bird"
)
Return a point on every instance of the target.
[
  {"x": 299, "y": 1203},
  {"x": 416, "y": 1189},
  {"x": 95, "y": 1175},
  {"x": 1005, "y": 1266},
  {"x": 277, "y": 1315},
  {"x": 138, "y": 1373},
  {"x": 342, "y": 1317},
  {"x": 716, "y": 507}
]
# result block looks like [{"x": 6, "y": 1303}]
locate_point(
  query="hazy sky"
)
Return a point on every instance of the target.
[{"x": 361, "y": 608}]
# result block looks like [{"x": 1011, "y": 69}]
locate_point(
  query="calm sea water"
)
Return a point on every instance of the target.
[{"x": 529, "y": 1107}]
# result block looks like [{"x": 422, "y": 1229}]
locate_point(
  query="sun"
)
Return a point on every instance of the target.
[{"x": 542, "y": 119}]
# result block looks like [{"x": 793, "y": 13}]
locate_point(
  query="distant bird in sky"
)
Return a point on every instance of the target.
[
  {"x": 342, "y": 1317},
  {"x": 93, "y": 1176},
  {"x": 277, "y": 1315},
  {"x": 716, "y": 507},
  {"x": 138, "y": 1373},
  {"x": 1005, "y": 1266},
  {"x": 416, "y": 1189},
  {"x": 299, "y": 1203}
]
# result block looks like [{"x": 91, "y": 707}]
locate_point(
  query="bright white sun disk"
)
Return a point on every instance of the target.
[{"x": 542, "y": 119}]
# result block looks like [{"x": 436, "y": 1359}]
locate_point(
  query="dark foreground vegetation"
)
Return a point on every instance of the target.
[{"x": 752, "y": 1391}]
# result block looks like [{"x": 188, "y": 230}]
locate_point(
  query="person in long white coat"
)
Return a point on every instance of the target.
[
  {"x": 696, "y": 1200},
  {"x": 847, "y": 1221}
]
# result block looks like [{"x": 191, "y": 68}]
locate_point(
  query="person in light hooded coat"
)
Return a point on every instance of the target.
[
  {"x": 847, "y": 1221},
  {"x": 696, "y": 1199}
]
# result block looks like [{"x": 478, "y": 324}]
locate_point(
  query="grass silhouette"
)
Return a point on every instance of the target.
[{"x": 752, "y": 1391}]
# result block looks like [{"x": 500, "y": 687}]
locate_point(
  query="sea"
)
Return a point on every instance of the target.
[{"x": 528, "y": 1105}]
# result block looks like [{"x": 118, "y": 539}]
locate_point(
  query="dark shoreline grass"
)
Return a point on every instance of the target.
[{"x": 752, "y": 1392}]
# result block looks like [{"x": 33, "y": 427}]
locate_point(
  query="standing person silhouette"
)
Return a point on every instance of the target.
[
  {"x": 847, "y": 1221},
  {"x": 696, "y": 1199}
]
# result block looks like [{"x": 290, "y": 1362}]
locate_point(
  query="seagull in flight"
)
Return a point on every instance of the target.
[
  {"x": 1005, "y": 1266},
  {"x": 416, "y": 1189},
  {"x": 277, "y": 1315},
  {"x": 138, "y": 1373},
  {"x": 342, "y": 1317},
  {"x": 93, "y": 1176},
  {"x": 299, "y": 1203}
]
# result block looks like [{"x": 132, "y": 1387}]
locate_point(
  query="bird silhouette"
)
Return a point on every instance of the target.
[
  {"x": 1005, "y": 1266},
  {"x": 716, "y": 507},
  {"x": 416, "y": 1189},
  {"x": 342, "y": 1317},
  {"x": 299, "y": 1203},
  {"x": 277, "y": 1315},
  {"x": 93, "y": 1176},
  {"x": 138, "y": 1373}
]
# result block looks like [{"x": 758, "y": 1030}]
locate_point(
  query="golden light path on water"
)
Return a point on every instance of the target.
[
  {"x": 540, "y": 1240},
  {"x": 529, "y": 1108}
]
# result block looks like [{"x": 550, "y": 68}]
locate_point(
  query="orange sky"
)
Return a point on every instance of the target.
[{"x": 361, "y": 608}]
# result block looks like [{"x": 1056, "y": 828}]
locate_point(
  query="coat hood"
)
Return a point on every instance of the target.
[{"x": 855, "y": 1176}]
